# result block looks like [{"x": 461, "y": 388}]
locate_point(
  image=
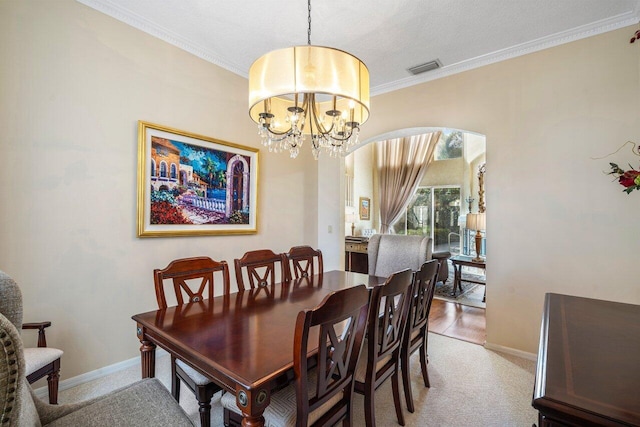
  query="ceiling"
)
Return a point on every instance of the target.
[{"x": 390, "y": 36}]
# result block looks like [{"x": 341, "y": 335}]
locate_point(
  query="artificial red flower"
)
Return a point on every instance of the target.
[{"x": 627, "y": 179}]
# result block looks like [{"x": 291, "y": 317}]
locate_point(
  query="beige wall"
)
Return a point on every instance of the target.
[
  {"x": 73, "y": 84},
  {"x": 557, "y": 222},
  {"x": 363, "y": 164}
]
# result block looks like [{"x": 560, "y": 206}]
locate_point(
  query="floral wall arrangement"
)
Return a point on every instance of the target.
[{"x": 629, "y": 179}]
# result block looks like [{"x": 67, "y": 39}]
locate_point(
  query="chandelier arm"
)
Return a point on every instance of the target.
[{"x": 276, "y": 133}]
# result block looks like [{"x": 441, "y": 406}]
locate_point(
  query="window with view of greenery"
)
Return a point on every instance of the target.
[
  {"x": 449, "y": 145},
  {"x": 433, "y": 212}
]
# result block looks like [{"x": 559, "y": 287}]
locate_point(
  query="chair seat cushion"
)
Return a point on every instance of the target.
[
  {"x": 361, "y": 368},
  {"x": 282, "y": 410},
  {"x": 38, "y": 357},
  {"x": 142, "y": 404},
  {"x": 196, "y": 376}
]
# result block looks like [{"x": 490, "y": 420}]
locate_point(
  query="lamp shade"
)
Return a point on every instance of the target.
[
  {"x": 476, "y": 221},
  {"x": 277, "y": 78},
  {"x": 350, "y": 217}
]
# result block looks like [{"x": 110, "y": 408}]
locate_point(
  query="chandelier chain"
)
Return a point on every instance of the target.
[{"x": 309, "y": 20}]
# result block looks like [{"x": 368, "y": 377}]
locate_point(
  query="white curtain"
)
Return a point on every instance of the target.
[{"x": 401, "y": 164}]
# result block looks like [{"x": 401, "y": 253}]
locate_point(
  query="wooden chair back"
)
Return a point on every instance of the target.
[
  {"x": 341, "y": 322},
  {"x": 304, "y": 261},
  {"x": 390, "y": 305},
  {"x": 193, "y": 279},
  {"x": 424, "y": 285},
  {"x": 261, "y": 268}
]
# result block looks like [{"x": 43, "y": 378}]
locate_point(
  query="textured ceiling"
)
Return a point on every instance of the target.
[{"x": 390, "y": 36}]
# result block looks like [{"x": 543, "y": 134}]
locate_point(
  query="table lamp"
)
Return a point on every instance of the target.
[
  {"x": 477, "y": 222},
  {"x": 351, "y": 217}
]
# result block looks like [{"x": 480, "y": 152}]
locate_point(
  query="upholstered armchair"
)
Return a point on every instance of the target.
[
  {"x": 144, "y": 403},
  {"x": 389, "y": 253},
  {"x": 40, "y": 361}
]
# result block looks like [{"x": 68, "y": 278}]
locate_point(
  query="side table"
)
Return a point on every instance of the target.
[{"x": 460, "y": 261}]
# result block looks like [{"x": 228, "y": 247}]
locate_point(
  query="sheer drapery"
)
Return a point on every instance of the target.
[{"x": 401, "y": 164}]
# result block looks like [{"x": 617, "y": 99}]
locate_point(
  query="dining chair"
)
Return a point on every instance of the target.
[
  {"x": 304, "y": 261},
  {"x": 143, "y": 403},
  {"x": 417, "y": 331},
  {"x": 193, "y": 280},
  {"x": 322, "y": 395},
  {"x": 261, "y": 268},
  {"x": 40, "y": 361},
  {"x": 380, "y": 358}
]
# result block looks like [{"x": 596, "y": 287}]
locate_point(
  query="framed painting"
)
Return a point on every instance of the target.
[
  {"x": 365, "y": 208},
  {"x": 194, "y": 185}
]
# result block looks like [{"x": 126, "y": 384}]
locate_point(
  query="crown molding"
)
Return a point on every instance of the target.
[
  {"x": 578, "y": 33},
  {"x": 599, "y": 27},
  {"x": 142, "y": 24}
]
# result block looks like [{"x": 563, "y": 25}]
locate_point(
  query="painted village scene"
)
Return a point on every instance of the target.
[{"x": 194, "y": 185}]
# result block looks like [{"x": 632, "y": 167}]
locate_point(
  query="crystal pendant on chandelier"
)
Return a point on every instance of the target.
[{"x": 313, "y": 91}]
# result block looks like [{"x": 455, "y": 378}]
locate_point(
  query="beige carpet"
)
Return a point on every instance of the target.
[{"x": 470, "y": 386}]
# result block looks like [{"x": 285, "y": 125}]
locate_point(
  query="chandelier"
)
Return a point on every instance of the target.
[{"x": 309, "y": 90}]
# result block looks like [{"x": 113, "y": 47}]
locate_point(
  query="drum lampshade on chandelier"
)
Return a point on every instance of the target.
[{"x": 309, "y": 90}]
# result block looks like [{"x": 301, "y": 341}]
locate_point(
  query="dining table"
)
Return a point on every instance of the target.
[{"x": 243, "y": 341}]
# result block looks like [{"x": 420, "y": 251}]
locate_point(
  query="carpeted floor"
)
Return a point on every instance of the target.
[{"x": 470, "y": 386}]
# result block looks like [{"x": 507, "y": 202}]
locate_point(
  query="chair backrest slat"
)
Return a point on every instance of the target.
[
  {"x": 424, "y": 283},
  {"x": 390, "y": 304},
  {"x": 341, "y": 322},
  {"x": 193, "y": 278},
  {"x": 261, "y": 267},
  {"x": 304, "y": 262}
]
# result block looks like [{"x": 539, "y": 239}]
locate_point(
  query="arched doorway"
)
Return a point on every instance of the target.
[{"x": 448, "y": 191}]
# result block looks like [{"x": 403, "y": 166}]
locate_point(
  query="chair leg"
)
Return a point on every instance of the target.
[
  {"x": 204, "y": 394},
  {"x": 205, "y": 413},
  {"x": 406, "y": 379},
  {"x": 52, "y": 383},
  {"x": 175, "y": 381},
  {"x": 424, "y": 360},
  {"x": 369, "y": 410},
  {"x": 395, "y": 380}
]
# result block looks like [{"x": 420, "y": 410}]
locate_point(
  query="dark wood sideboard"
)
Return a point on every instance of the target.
[
  {"x": 356, "y": 258},
  {"x": 588, "y": 371}
]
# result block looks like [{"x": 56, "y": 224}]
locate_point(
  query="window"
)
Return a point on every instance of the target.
[
  {"x": 174, "y": 171},
  {"x": 432, "y": 212},
  {"x": 449, "y": 145}
]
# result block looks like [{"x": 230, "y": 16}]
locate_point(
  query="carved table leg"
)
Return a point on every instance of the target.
[
  {"x": 252, "y": 404},
  {"x": 147, "y": 354}
]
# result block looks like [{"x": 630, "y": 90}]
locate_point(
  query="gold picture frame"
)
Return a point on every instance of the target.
[
  {"x": 365, "y": 208},
  {"x": 194, "y": 185}
]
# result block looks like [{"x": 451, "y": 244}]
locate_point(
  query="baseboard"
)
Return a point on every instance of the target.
[
  {"x": 511, "y": 351},
  {"x": 43, "y": 392}
]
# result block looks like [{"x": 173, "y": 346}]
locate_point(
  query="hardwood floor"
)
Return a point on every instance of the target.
[{"x": 458, "y": 321}]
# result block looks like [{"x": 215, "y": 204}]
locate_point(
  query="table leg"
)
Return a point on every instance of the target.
[
  {"x": 457, "y": 277},
  {"x": 252, "y": 403},
  {"x": 147, "y": 354}
]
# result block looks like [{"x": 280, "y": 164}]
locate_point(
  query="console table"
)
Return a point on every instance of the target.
[
  {"x": 588, "y": 370},
  {"x": 356, "y": 256},
  {"x": 460, "y": 261}
]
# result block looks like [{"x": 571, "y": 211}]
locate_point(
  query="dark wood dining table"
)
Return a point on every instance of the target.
[{"x": 242, "y": 341}]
